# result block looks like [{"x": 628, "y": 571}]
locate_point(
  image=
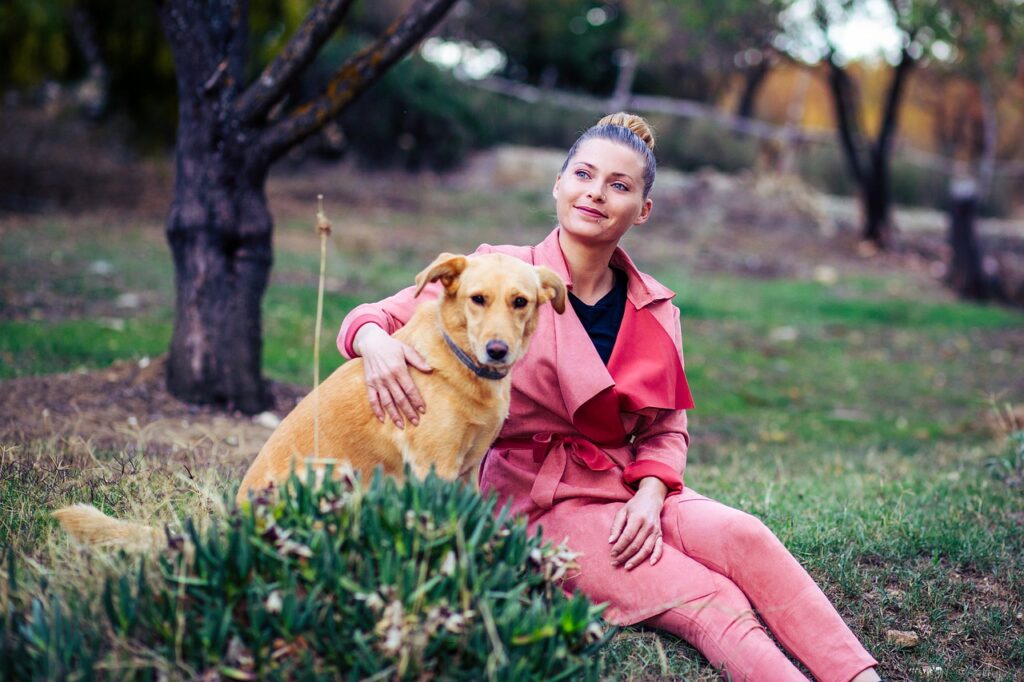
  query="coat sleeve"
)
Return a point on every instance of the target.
[
  {"x": 390, "y": 314},
  {"x": 662, "y": 445}
]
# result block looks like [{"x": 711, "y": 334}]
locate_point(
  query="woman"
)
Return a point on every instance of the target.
[{"x": 595, "y": 443}]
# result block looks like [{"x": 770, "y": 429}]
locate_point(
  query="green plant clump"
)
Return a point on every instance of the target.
[{"x": 320, "y": 582}]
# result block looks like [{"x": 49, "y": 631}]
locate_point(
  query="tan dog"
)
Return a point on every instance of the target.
[{"x": 488, "y": 311}]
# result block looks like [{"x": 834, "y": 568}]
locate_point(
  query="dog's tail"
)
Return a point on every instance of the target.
[{"x": 89, "y": 525}]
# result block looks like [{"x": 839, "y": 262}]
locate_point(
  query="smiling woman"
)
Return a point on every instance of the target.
[{"x": 594, "y": 446}]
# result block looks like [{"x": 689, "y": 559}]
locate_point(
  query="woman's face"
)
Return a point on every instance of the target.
[{"x": 601, "y": 193}]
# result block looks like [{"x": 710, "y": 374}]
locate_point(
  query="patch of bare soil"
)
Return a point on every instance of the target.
[{"x": 127, "y": 406}]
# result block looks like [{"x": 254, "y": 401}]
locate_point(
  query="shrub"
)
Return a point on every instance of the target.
[
  {"x": 689, "y": 145},
  {"x": 417, "y": 117},
  {"x": 420, "y": 581}
]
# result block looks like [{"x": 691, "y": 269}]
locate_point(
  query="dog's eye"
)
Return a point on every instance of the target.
[
  {"x": 519, "y": 302},
  {"x": 478, "y": 299}
]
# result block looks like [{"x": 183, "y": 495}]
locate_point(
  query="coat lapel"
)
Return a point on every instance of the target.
[
  {"x": 586, "y": 383},
  {"x": 581, "y": 373}
]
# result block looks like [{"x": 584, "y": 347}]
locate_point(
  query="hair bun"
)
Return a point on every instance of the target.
[{"x": 637, "y": 124}]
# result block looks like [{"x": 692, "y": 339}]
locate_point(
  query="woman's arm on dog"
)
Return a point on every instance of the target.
[
  {"x": 390, "y": 314},
  {"x": 366, "y": 332},
  {"x": 389, "y": 385}
]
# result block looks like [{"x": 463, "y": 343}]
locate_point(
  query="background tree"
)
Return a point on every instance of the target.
[
  {"x": 553, "y": 43},
  {"x": 868, "y": 159},
  {"x": 695, "y": 50},
  {"x": 230, "y": 131},
  {"x": 983, "y": 60}
]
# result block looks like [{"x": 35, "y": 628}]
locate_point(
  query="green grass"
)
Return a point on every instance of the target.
[
  {"x": 853, "y": 419},
  {"x": 28, "y": 348}
]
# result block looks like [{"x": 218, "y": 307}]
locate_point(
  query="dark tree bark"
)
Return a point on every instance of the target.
[
  {"x": 219, "y": 227},
  {"x": 868, "y": 161},
  {"x": 967, "y": 277},
  {"x": 753, "y": 79}
]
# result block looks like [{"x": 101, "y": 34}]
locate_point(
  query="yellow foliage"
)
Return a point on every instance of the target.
[{"x": 929, "y": 117}]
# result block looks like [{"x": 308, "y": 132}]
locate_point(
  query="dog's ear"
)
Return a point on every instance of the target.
[
  {"x": 552, "y": 288},
  {"x": 447, "y": 267}
]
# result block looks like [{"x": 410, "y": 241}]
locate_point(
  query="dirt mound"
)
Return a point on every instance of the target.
[{"x": 127, "y": 405}]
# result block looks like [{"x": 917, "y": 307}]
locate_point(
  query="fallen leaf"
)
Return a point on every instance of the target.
[{"x": 904, "y": 639}]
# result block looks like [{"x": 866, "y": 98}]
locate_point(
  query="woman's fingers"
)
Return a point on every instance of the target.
[
  {"x": 400, "y": 396},
  {"x": 630, "y": 539},
  {"x": 634, "y": 548},
  {"x": 659, "y": 547},
  {"x": 387, "y": 402},
  {"x": 618, "y": 523},
  {"x": 378, "y": 412},
  {"x": 411, "y": 402},
  {"x": 643, "y": 551},
  {"x": 390, "y": 387},
  {"x": 417, "y": 360}
]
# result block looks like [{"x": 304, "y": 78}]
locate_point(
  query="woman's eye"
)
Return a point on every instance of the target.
[
  {"x": 478, "y": 299},
  {"x": 619, "y": 186},
  {"x": 520, "y": 302},
  {"x": 582, "y": 174}
]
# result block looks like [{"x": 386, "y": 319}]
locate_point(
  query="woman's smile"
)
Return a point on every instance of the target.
[{"x": 589, "y": 211}]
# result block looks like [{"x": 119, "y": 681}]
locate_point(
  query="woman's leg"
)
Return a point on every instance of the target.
[
  {"x": 723, "y": 627},
  {"x": 743, "y": 549}
]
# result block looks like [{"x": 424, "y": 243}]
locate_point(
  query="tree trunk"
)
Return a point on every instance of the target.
[
  {"x": 627, "y": 63},
  {"x": 877, "y": 202},
  {"x": 219, "y": 230},
  {"x": 869, "y": 167},
  {"x": 753, "y": 79},
  {"x": 966, "y": 274}
]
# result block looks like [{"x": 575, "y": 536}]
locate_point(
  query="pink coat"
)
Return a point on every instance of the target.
[{"x": 580, "y": 435}]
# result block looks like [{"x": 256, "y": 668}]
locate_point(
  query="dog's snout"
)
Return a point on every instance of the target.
[{"x": 497, "y": 350}]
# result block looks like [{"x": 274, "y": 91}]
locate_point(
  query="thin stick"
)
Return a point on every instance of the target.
[{"x": 323, "y": 226}]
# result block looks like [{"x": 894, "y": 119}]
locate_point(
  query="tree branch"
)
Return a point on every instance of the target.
[
  {"x": 238, "y": 43},
  {"x": 892, "y": 102},
  {"x": 839, "y": 85},
  {"x": 355, "y": 75},
  {"x": 301, "y": 50},
  {"x": 195, "y": 57}
]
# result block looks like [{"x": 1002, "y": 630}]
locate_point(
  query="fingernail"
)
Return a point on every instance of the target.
[
  {"x": 422, "y": 409},
  {"x": 415, "y": 421}
]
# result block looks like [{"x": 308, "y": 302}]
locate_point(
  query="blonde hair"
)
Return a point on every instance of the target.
[{"x": 628, "y": 129}]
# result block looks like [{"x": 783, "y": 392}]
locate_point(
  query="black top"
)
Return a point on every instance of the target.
[{"x": 602, "y": 320}]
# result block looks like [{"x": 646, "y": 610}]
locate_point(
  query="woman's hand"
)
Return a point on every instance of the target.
[
  {"x": 389, "y": 385},
  {"x": 636, "y": 528}
]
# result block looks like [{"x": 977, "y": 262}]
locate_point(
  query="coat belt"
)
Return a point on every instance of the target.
[{"x": 552, "y": 451}]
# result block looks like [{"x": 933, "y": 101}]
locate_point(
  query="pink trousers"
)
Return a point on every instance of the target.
[{"x": 754, "y": 571}]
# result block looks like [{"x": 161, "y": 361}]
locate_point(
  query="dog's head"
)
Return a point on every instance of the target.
[{"x": 493, "y": 299}]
